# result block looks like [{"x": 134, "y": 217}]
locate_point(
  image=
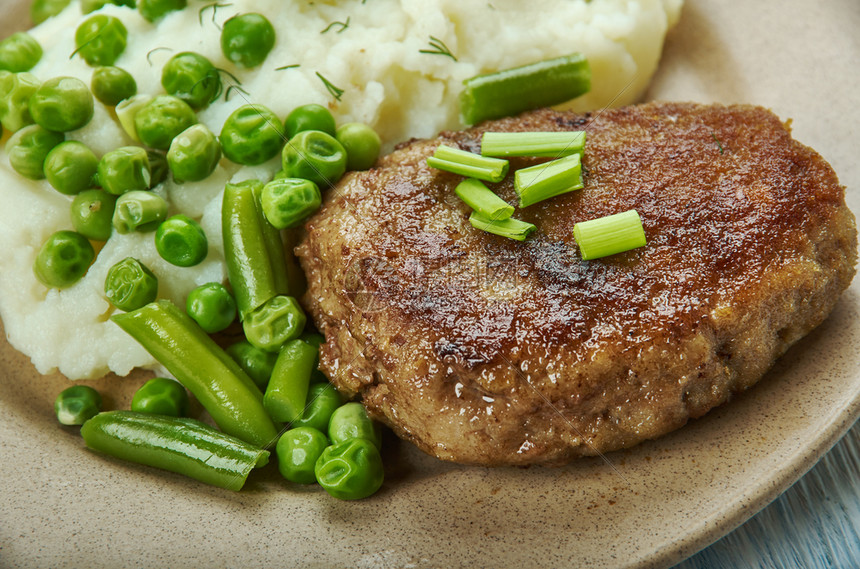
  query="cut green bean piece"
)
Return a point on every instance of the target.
[
  {"x": 254, "y": 268},
  {"x": 511, "y": 91},
  {"x": 537, "y": 144},
  {"x": 279, "y": 320},
  {"x": 287, "y": 391},
  {"x": 548, "y": 180},
  {"x": 609, "y": 235},
  {"x": 480, "y": 198},
  {"x": 180, "y": 445},
  {"x": 510, "y": 228},
  {"x": 468, "y": 164},
  {"x": 257, "y": 363},
  {"x": 323, "y": 399},
  {"x": 232, "y": 399}
]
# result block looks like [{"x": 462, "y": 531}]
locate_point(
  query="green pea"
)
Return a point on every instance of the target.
[
  {"x": 315, "y": 156},
  {"x": 92, "y": 214},
  {"x": 350, "y": 421},
  {"x": 309, "y": 117},
  {"x": 15, "y": 92},
  {"x": 251, "y": 135},
  {"x": 257, "y": 363},
  {"x": 70, "y": 167},
  {"x": 361, "y": 143},
  {"x": 323, "y": 400},
  {"x": 101, "y": 39},
  {"x": 246, "y": 39},
  {"x": 158, "y": 166},
  {"x": 111, "y": 85},
  {"x": 125, "y": 169},
  {"x": 212, "y": 306},
  {"x": 88, "y": 6},
  {"x": 193, "y": 154},
  {"x": 289, "y": 201},
  {"x": 159, "y": 121},
  {"x": 19, "y": 52},
  {"x": 192, "y": 78},
  {"x": 127, "y": 109},
  {"x": 161, "y": 396},
  {"x": 41, "y": 10},
  {"x": 298, "y": 451},
  {"x": 130, "y": 285},
  {"x": 276, "y": 321},
  {"x": 28, "y": 148},
  {"x": 181, "y": 241},
  {"x": 139, "y": 211},
  {"x": 350, "y": 470},
  {"x": 62, "y": 104},
  {"x": 63, "y": 259},
  {"x": 154, "y": 9},
  {"x": 77, "y": 404}
]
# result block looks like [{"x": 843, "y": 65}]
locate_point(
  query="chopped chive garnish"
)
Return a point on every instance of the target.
[
  {"x": 468, "y": 164},
  {"x": 439, "y": 48},
  {"x": 547, "y": 180},
  {"x": 540, "y": 144},
  {"x": 510, "y": 228},
  {"x": 342, "y": 25},
  {"x": 333, "y": 90},
  {"x": 532, "y": 86},
  {"x": 480, "y": 198},
  {"x": 609, "y": 235}
]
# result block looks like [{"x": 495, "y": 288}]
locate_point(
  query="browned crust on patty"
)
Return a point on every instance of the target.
[{"x": 484, "y": 350}]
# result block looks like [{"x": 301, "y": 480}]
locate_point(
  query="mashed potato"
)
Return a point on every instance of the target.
[{"x": 373, "y": 55}]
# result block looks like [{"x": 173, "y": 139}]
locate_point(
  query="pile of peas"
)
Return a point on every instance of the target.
[{"x": 330, "y": 442}]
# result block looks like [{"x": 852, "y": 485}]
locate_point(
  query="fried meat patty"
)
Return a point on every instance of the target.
[{"x": 484, "y": 350}]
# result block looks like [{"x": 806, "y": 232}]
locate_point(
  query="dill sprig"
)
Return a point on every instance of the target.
[
  {"x": 238, "y": 88},
  {"x": 214, "y": 6},
  {"x": 150, "y": 52},
  {"x": 439, "y": 48},
  {"x": 291, "y": 66},
  {"x": 719, "y": 144},
  {"x": 343, "y": 26},
  {"x": 335, "y": 91}
]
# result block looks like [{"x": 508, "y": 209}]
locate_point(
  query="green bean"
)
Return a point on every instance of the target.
[
  {"x": 77, "y": 404},
  {"x": 92, "y": 214},
  {"x": 298, "y": 451},
  {"x": 288, "y": 387},
  {"x": 315, "y": 156},
  {"x": 180, "y": 445},
  {"x": 101, "y": 39},
  {"x": 155, "y": 9},
  {"x": 251, "y": 135},
  {"x": 130, "y": 285},
  {"x": 161, "y": 396},
  {"x": 277, "y": 321},
  {"x": 257, "y": 363},
  {"x": 512, "y": 91},
  {"x": 139, "y": 211},
  {"x": 111, "y": 85},
  {"x": 212, "y": 306},
  {"x": 192, "y": 357},
  {"x": 41, "y": 10},
  {"x": 246, "y": 39},
  {"x": 16, "y": 89},
  {"x": 125, "y": 169},
  {"x": 19, "y": 52},
  {"x": 193, "y": 154},
  {"x": 160, "y": 120},
  {"x": 62, "y": 104},
  {"x": 28, "y": 148},
  {"x": 181, "y": 241},
  {"x": 250, "y": 248},
  {"x": 63, "y": 259},
  {"x": 192, "y": 78},
  {"x": 289, "y": 201},
  {"x": 70, "y": 167}
]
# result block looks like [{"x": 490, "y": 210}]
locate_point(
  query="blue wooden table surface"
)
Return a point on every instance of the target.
[{"x": 815, "y": 524}]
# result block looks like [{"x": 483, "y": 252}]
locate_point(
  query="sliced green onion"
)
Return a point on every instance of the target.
[
  {"x": 480, "y": 198},
  {"x": 547, "y": 180},
  {"x": 532, "y": 86},
  {"x": 539, "y": 144},
  {"x": 609, "y": 235},
  {"x": 510, "y": 228},
  {"x": 468, "y": 164}
]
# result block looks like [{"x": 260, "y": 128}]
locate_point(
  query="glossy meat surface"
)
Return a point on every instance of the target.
[{"x": 484, "y": 350}]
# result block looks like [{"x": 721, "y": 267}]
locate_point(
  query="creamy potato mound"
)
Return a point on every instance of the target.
[{"x": 371, "y": 51}]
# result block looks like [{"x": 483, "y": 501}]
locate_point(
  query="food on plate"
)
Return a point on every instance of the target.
[
  {"x": 396, "y": 67},
  {"x": 485, "y": 350}
]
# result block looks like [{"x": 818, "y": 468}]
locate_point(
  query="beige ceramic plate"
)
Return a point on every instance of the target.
[{"x": 652, "y": 506}]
